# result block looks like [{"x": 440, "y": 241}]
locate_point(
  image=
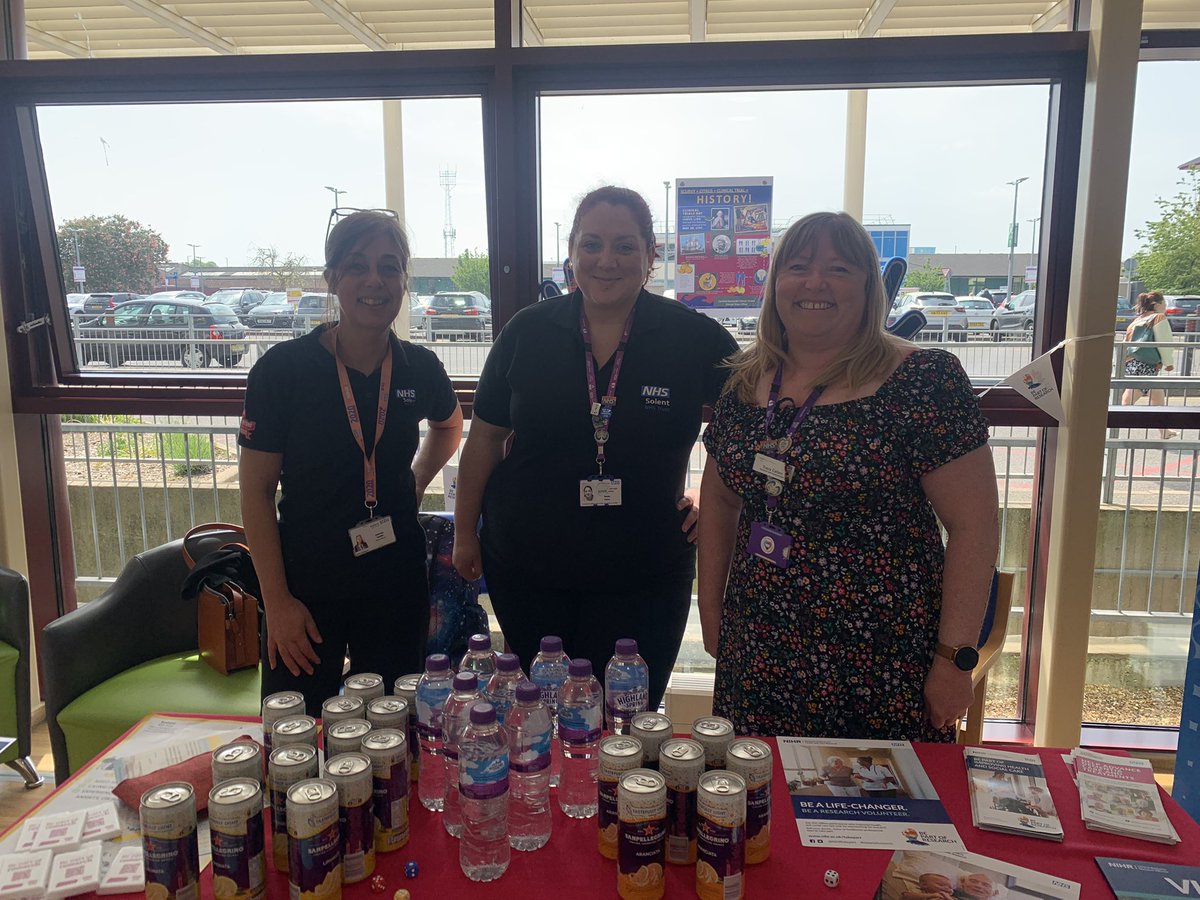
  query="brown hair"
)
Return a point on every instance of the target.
[
  {"x": 1147, "y": 301},
  {"x": 869, "y": 357},
  {"x": 618, "y": 196},
  {"x": 356, "y": 229}
]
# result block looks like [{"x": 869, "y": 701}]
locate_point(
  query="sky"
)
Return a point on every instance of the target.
[{"x": 232, "y": 177}]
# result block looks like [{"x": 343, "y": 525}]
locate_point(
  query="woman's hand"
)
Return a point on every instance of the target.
[
  {"x": 291, "y": 633},
  {"x": 467, "y": 557},
  {"x": 948, "y": 692},
  {"x": 691, "y": 502}
]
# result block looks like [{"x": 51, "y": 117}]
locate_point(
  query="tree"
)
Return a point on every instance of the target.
[
  {"x": 117, "y": 253},
  {"x": 1170, "y": 258},
  {"x": 926, "y": 278},
  {"x": 472, "y": 273},
  {"x": 288, "y": 270}
]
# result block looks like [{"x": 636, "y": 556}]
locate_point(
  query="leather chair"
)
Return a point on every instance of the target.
[
  {"x": 130, "y": 652},
  {"x": 15, "y": 719}
]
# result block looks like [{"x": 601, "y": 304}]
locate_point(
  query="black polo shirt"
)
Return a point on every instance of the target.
[
  {"x": 534, "y": 382},
  {"x": 294, "y": 406}
]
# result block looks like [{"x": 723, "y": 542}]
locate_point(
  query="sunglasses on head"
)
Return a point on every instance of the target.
[{"x": 336, "y": 215}]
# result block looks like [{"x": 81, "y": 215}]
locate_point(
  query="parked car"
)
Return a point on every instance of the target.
[
  {"x": 100, "y": 303},
  {"x": 1125, "y": 314},
  {"x": 999, "y": 295},
  {"x": 458, "y": 314},
  {"x": 979, "y": 312},
  {"x": 240, "y": 300},
  {"x": 151, "y": 330},
  {"x": 75, "y": 303},
  {"x": 311, "y": 311},
  {"x": 747, "y": 325},
  {"x": 942, "y": 314},
  {"x": 1179, "y": 308},
  {"x": 198, "y": 296},
  {"x": 1015, "y": 314},
  {"x": 274, "y": 312}
]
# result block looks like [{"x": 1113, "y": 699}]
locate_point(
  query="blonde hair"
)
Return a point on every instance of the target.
[{"x": 868, "y": 358}]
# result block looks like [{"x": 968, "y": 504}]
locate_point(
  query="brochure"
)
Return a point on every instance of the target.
[
  {"x": 1118, "y": 794},
  {"x": 1132, "y": 879},
  {"x": 1009, "y": 793},
  {"x": 949, "y": 875},
  {"x": 864, "y": 795}
]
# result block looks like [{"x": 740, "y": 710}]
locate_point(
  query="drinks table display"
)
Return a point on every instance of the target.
[{"x": 570, "y": 864}]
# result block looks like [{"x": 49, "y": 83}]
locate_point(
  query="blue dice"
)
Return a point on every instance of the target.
[{"x": 411, "y": 869}]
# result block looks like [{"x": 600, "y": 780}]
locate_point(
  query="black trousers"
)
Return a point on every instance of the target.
[
  {"x": 382, "y": 626},
  {"x": 653, "y": 612}
]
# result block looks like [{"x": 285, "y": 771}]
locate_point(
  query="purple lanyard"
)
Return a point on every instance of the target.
[
  {"x": 783, "y": 444},
  {"x": 601, "y": 408}
]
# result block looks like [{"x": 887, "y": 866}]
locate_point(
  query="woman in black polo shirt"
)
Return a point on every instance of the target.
[
  {"x": 586, "y": 529},
  {"x": 333, "y": 418}
]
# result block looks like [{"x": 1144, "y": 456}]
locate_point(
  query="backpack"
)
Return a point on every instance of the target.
[{"x": 1144, "y": 334}]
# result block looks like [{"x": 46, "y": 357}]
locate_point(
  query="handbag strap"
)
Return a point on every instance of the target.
[{"x": 209, "y": 527}]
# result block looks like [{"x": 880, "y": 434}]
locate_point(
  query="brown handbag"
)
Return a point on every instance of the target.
[{"x": 226, "y": 590}]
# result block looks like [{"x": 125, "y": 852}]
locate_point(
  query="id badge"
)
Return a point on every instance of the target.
[
  {"x": 600, "y": 492},
  {"x": 770, "y": 466},
  {"x": 769, "y": 543},
  {"x": 372, "y": 534}
]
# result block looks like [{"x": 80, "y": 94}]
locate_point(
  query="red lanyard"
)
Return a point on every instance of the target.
[
  {"x": 601, "y": 408},
  {"x": 370, "y": 492}
]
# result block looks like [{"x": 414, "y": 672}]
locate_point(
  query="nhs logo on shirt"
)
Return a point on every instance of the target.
[
  {"x": 655, "y": 397},
  {"x": 407, "y": 396}
]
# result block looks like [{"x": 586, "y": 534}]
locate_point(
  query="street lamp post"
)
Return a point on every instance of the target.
[
  {"x": 75, "y": 240},
  {"x": 1012, "y": 238},
  {"x": 558, "y": 258},
  {"x": 337, "y": 192},
  {"x": 666, "y": 231},
  {"x": 199, "y": 285}
]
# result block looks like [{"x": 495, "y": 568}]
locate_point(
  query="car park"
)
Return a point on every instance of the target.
[
  {"x": 171, "y": 329},
  {"x": 240, "y": 300},
  {"x": 979, "y": 312},
  {"x": 311, "y": 311},
  {"x": 943, "y": 317},
  {"x": 458, "y": 314},
  {"x": 1015, "y": 314},
  {"x": 1179, "y": 308},
  {"x": 276, "y": 311}
]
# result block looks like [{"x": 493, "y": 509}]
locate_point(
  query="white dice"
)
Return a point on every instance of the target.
[{"x": 832, "y": 878}]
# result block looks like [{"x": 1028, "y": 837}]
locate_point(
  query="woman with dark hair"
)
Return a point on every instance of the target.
[
  {"x": 825, "y": 592},
  {"x": 332, "y": 418},
  {"x": 586, "y": 528},
  {"x": 1145, "y": 353}
]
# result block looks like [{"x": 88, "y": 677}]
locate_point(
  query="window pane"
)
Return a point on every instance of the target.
[{"x": 160, "y": 199}]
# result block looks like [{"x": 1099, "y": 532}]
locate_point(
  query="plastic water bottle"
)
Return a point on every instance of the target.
[
  {"x": 626, "y": 686},
  {"x": 549, "y": 672},
  {"x": 483, "y": 851},
  {"x": 464, "y": 693},
  {"x": 479, "y": 658},
  {"x": 580, "y": 715},
  {"x": 501, "y": 690},
  {"x": 528, "y": 727},
  {"x": 432, "y": 691}
]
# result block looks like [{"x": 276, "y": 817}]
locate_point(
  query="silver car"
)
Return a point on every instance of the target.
[
  {"x": 943, "y": 317},
  {"x": 979, "y": 313}
]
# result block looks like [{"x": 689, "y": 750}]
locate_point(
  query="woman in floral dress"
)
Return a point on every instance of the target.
[{"x": 825, "y": 591}]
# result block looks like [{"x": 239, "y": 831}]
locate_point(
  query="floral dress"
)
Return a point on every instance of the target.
[{"x": 839, "y": 643}]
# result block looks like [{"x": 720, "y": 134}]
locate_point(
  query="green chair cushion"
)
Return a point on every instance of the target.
[
  {"x": 180, "y": 682},
  {"x": 8, "y": 697}
]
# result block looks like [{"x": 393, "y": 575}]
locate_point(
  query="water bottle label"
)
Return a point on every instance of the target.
[
  {"x": 535, "y": 757},
  {"x": 633, "y": 699},
  {"x": 430, "y": 701},
  {"x": 579, "y": 725},
  {"x": 484, "y": 779}
]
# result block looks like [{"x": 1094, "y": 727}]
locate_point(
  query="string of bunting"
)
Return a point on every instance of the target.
[{"x": 1036, "y": 379}]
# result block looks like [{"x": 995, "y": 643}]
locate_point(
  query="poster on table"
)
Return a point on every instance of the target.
[
  {"x": 864, "y": 795},
  {"x": 723, "y": 235},
  {"x": 968, "y": 875},
  {"x": 1133, "y": 879}
]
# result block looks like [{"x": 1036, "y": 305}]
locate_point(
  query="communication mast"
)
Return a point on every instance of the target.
[{"x": 447, "y": 179}]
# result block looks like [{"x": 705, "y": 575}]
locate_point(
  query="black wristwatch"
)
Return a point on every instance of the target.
[{"x": 965, "y": 657}]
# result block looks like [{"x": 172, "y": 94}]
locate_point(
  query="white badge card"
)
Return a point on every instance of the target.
[
  {"x": 771, "y": 467},
  {"x": 600, "y": 492},
  {"x": 371, "y": 535}
]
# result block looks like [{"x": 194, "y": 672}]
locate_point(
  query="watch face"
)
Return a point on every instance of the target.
[{"x": 966, "y": 658}]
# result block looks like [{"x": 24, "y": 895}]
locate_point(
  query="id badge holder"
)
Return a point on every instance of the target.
[
  {"x": 371, "y": 534},
  {"x": 770, "y": 543},
  {"x": 600, "y": 492}
]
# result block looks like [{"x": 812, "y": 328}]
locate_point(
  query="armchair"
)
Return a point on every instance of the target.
[{"x": 15, "y": 720}]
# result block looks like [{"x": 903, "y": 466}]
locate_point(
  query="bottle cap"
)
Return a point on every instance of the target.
[
  {"x": 627, "y": 647},
  {"x": 527, "y": 692},
  {"x": 483, "y": 713},
  {"x": 480, "y": 642},
  {"x": 437, "y": 662},
  {"x": 580, "y": 668},
  {"x": 551, "y": 643},
  {"x": 508, "y": 662},
  {"x": 466, "y": 681}
]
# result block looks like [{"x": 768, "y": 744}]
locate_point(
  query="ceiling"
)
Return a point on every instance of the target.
[{"x": 58, "y": 29}]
